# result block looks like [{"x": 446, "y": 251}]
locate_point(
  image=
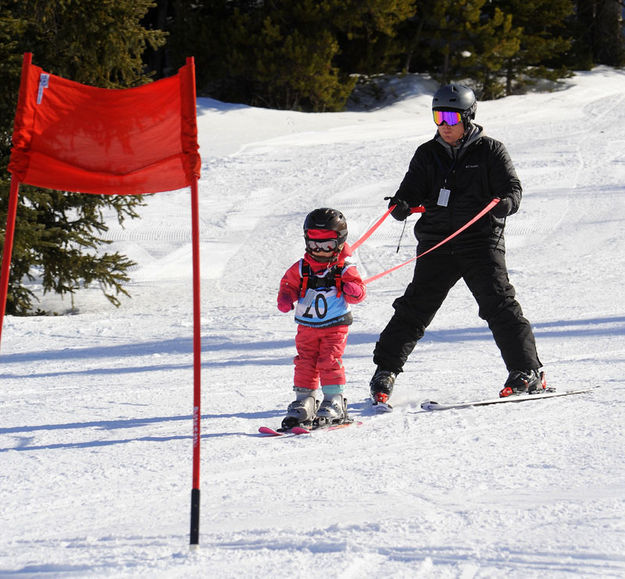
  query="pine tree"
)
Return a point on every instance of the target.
[
  {"x": 58, "y": 236},
  {"x": 494, "y": 40},
  {"x": 440, "y": 36},
  {"x": 545, "y": 40},
  {"x": 367, "y": 33},
  {"x": 269, "y": 54},
  {"x": 293, "y": 55},
  {"x": 292, "y": 59},
  {"x": 500, "y": 46},
  {"x": 599, "y": 38}
]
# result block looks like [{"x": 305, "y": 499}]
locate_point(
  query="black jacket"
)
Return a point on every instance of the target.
[{"x": 474, "y": 172}]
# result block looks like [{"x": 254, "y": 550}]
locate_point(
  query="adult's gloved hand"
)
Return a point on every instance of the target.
[
  {"x": 503, "y": 208},
  {"x": 402, "y": 209}
]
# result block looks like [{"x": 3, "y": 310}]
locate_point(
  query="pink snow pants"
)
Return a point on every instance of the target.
[{"x": 319, "y": 356}]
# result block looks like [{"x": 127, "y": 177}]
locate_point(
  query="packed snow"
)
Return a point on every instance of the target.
[{"x": 96, "y": 403}]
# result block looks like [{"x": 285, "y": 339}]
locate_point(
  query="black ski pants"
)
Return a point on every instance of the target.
[{"x": 485, "y": 273}]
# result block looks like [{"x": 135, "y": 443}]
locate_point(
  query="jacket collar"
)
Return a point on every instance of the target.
[{"x": 474, "y": 132}]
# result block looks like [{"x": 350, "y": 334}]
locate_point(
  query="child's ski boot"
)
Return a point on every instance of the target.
[
  {"x": 302, "y": 411},
  {"x": 333, "y": 409}
]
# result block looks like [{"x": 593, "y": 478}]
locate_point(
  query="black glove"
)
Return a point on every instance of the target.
[
  {"x": 402, "y": 209},
  {"x": 503, "y": 208}
]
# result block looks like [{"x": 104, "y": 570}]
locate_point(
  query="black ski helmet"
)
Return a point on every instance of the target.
[
  {"x": 456, "y": 97},
  {"x": 330, "y": 219},
  {"x": 326, "y": 218}
]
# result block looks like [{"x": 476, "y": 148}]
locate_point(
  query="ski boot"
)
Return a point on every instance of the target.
[
  {"x": 381, "y": 387},
  {"x": 333, "y": 409},
  {"x": 521, "y": 381},
  {"x": 302, "y": 411}
]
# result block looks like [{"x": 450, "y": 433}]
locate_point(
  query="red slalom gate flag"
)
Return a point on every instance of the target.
[{"x": 73, "y": 137}]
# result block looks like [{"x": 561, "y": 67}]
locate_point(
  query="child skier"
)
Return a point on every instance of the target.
[{"x": 323, "y": 285}]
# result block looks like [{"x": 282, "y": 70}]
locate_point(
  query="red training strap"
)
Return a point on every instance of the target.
[
  {"x": 377, "y": 224},
  {"x": 468, "y": 224}
]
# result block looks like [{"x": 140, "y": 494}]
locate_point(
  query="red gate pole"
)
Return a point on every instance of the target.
[
  {"x": 197, "y": 366},
  {"x": 8, "y": 249}
]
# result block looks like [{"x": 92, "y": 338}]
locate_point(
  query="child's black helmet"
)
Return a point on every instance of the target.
[
  {"x": 325, "y": 218},
  {"x": 325, "y": 230},
  {"x": 456, "y": 97}
]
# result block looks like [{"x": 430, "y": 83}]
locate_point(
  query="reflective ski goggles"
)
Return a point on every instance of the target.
[
  {"x": 449, "y": 117},
  {"x": 321, "y": 244}
]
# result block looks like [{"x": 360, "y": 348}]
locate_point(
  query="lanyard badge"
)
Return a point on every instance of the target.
[{"x": 443, "y": 197}]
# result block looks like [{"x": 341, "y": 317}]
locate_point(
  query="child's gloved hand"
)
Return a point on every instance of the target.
[
  {"x": 352, "y": 289},
  {"x": 285, "y": 304}
]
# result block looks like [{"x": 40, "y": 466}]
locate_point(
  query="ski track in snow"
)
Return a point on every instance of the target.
[{"x": 95, "y": 435}]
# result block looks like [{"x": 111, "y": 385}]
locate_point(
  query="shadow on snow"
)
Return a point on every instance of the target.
[{"x": 563, "y": 328}]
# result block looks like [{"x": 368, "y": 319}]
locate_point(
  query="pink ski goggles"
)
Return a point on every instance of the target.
[
  {"x": 449, "y": 117},
  {"x": 319, "y": 240},
  {"x": 322, "y": 244}
]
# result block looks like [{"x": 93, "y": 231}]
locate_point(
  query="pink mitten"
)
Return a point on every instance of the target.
[
  {"x": 352, "y": 289},
  {"x": 285, "y": 304}
]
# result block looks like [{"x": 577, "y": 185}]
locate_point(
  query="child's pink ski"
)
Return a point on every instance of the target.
[
  {"x": 300, "y": 430},
  {"x": 271, "y": 432},
  {"x": 297, "y": 430}
]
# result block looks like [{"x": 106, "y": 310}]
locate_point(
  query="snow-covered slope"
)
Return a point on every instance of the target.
[{"x": 95, "y": 427}]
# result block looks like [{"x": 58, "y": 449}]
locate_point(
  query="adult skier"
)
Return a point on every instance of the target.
[{"x": 454, "y": 176}]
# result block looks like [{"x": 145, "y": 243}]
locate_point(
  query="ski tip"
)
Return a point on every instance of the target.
[
  {"x": 300, "y": 430},
  {"x": 429, "y": 405},
  {"x": 269, "y": 431}
]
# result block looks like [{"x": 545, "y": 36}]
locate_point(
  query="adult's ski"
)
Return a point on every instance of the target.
[{"x": 539, "y": 395}]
